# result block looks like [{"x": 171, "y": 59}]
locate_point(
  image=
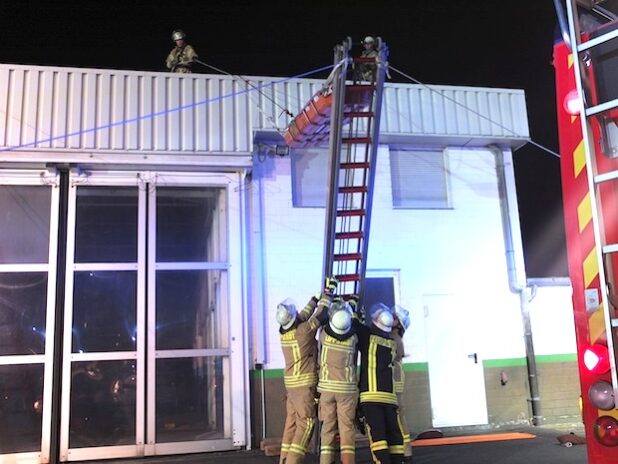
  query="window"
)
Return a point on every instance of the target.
[
  {"x": 310, "y": 177},
  {"x": 419, "y": 179}
]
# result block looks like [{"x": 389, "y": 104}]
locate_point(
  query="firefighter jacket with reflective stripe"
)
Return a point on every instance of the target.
[
  {"x": 377, "y": 351},
  {"x": 398, "y": 374},
  {"x": 337, "y": 361},
  {"x": 300, "y": 349}
]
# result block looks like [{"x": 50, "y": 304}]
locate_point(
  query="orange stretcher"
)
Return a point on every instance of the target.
[{"x": 312, "y": 125}]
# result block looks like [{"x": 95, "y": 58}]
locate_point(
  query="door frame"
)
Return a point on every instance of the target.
[
  {"x": 121, "y": 179},
  {"x": 32, "y": 177},
  {"x": 234, "y": 366}
]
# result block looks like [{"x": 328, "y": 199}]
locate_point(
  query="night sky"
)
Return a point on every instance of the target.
[{"x": 486, "y": 43}]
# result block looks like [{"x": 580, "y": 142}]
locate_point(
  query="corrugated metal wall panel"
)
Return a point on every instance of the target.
[{"x": 43, "y": 108}]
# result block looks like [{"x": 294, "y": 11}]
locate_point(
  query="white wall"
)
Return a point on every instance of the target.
[
  {"x": 454, "y": 251},
  {"x": 553, "y": 325}
]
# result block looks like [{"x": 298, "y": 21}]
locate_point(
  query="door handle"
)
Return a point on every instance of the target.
[{"x": 475, "y": 357}]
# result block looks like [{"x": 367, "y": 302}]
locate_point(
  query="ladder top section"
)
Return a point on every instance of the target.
[{"x": 311, "y": 126}]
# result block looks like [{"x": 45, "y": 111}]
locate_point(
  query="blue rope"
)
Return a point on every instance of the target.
[{"x": 167, "y": 111}]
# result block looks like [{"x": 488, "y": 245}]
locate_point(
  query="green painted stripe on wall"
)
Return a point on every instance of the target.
[
  {"x": 424, "y": 367},
  {"x": 557, "y": 358},
  {"x": 268, "y": 374},
  {"x": 541, "y": 359},
  {"x": 416, "y": 367}
]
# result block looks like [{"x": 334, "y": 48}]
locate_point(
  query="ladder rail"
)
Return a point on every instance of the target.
[
  {"x": 380, "y": 76},
  {"x": 336, "y": 127},
  {"x": 596, "y": 218}
]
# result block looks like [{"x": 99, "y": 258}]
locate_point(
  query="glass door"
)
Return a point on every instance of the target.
[
  {"x": 28, "y": 241},
  {"x": 154, "y": 357},
  {"x": 104, "y": 332},
  {"x": 189, "y": 368}
]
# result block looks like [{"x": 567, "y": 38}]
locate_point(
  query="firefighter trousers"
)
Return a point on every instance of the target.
[
  {"x": 384, "y": 432},
  {"x": 299, "y": 422},
  {"x": 337, "y": 412},
  {"x": 407, "y": 448}
]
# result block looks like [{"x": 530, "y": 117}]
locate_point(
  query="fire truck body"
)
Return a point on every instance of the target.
[{"x": 586, "y": 66}]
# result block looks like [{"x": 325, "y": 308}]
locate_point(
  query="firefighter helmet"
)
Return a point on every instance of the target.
[
  {"x": 381, "y": 316},
  {"x": 368, "y": 40},
  {"x": 178, "y": 34},
  {"x": 403, "y": 315},
  {"x": 286, "y": 313},
  {"x": 340, "y": 317}
]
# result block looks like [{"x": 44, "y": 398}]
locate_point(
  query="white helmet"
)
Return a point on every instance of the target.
[
  {"x": 403, "y": 315},
  {"x": 381, "y": 316},
  {"x": 340, "y": 317},
  {"x": 178, "y": 35},
  {"x": 286, "y": 313},
  {"x": 368, "y": 40}
]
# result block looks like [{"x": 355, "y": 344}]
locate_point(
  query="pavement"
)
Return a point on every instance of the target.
[{"x": 544, "y": 448}]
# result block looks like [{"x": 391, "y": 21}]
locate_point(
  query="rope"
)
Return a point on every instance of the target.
[
  {"x": 246, "y": 81},
  {"x": 538, "y": 145},
  {"x": 164, "y": 112}
]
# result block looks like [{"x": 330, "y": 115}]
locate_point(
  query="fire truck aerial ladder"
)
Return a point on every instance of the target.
[
  {"x": 347, "y": 113},
  {"x": 587, "y": 108}
]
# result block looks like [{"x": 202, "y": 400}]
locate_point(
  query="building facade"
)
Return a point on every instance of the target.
[{"x": 151, "y": 223}]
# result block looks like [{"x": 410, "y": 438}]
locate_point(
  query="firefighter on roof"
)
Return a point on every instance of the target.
[
  {"x": 337, "y": 384},
  {"x": 299, "y": 346},
  {"x": 378, "y": 400},
  {"x": 402, "y": 322},
  {"x": 180, "y": 59}
]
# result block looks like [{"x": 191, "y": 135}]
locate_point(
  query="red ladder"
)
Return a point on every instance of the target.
[{"x": 354, "y": 134}]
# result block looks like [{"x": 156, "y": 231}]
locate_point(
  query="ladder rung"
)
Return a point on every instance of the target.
[
  {"x": 353, "y": 189},
  {"x": 348, "y": 257},
  {"x": 610, "y": 105},
  {"x": 363, "y": 165},
  {"x": 358, "y": 114},
  {"x": 597, "y": 41},
  {"x": 350, "y": 212},
  {"x": 347, "y": 277},
  {"x": 360, "y": 87},
  {"x": 613, "y": 248},
  {"x": 364, "y": 59},
  {"x": 349, "y": 235},
  {"x": 359, "y": 140},
  {"x": 605, "y": 177}
]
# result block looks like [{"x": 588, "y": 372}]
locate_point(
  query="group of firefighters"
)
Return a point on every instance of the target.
[{"x": 326, "y": 373}]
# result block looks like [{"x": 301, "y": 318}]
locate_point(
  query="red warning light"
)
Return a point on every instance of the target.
[
  {"x": 606, "y": 430},
  {"x": 596, "y": 359},
  {"x": 572, "y": 104}
]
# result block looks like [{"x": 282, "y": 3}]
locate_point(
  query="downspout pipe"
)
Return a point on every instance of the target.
[{"x": 516, "y": 266}]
